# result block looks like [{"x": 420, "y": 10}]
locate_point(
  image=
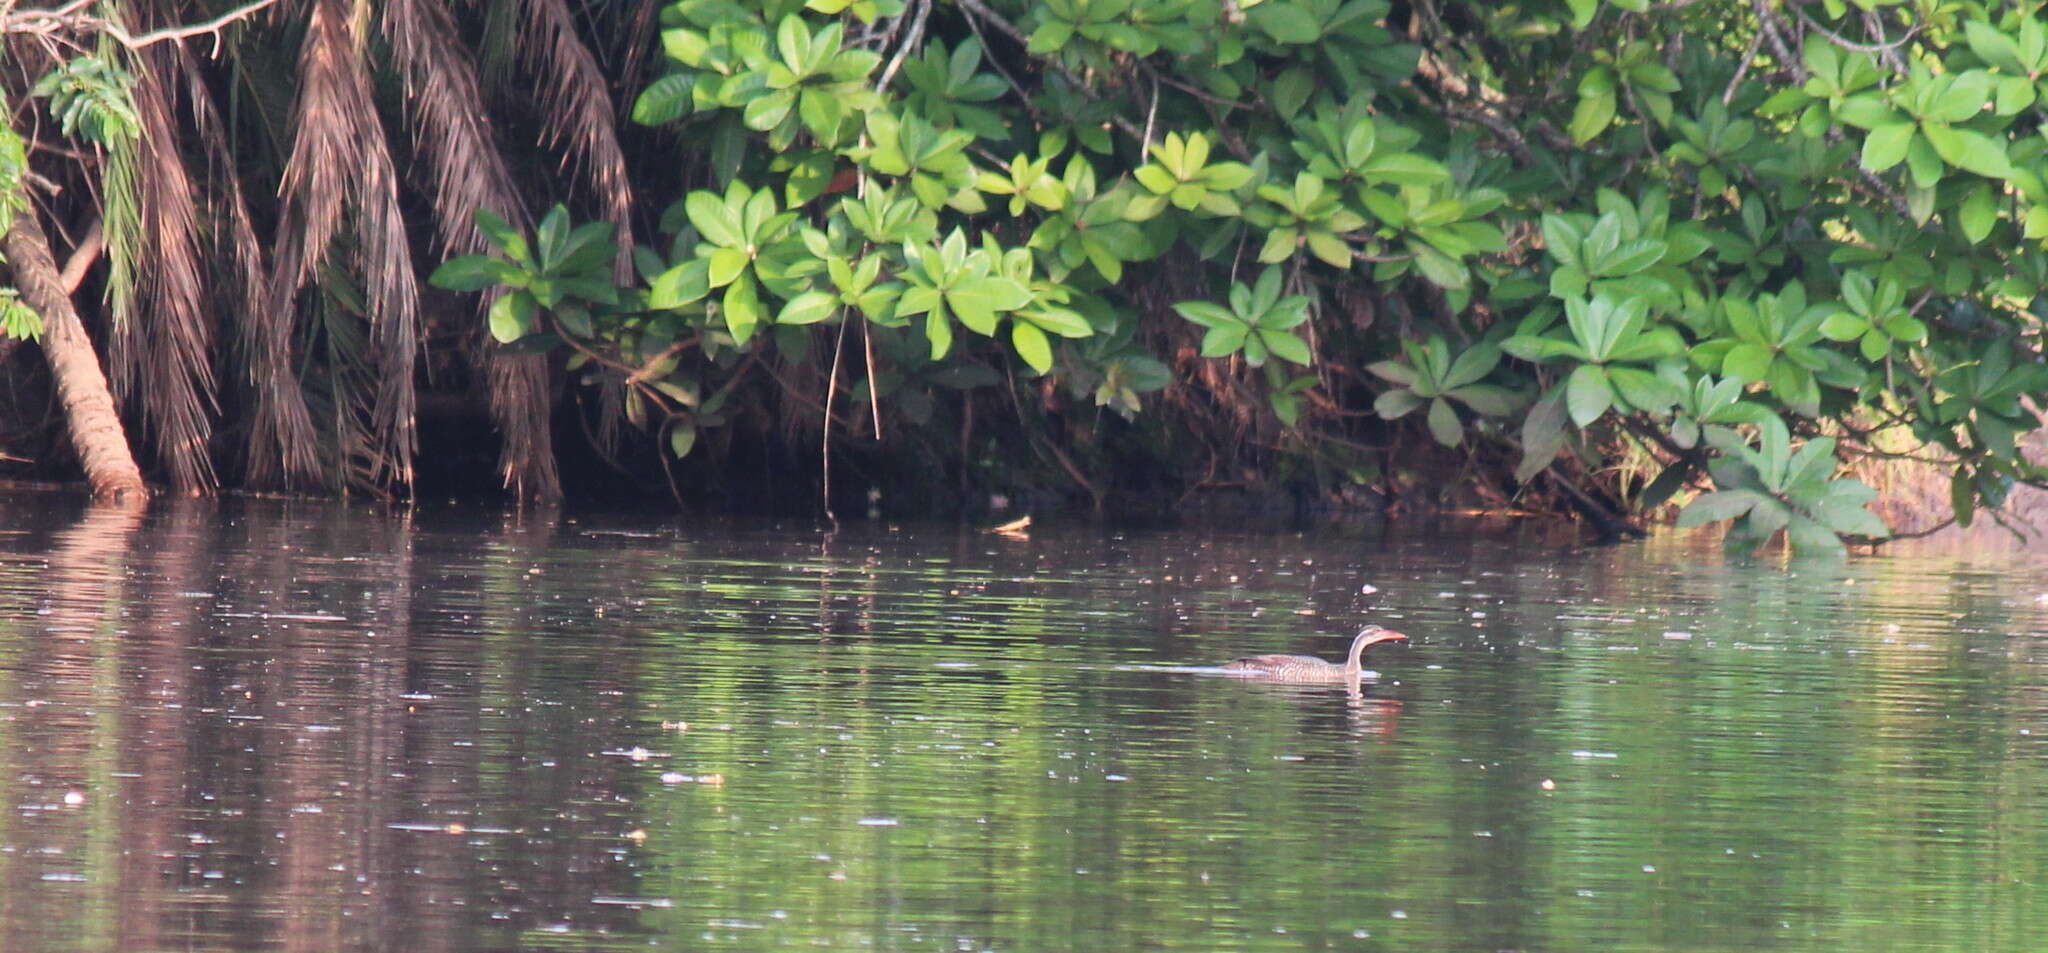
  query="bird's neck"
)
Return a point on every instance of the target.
[{"x": 1352, "y": 668}]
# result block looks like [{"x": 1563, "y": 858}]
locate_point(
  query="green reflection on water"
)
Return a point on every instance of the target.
[{"x": 944, "y": 741}]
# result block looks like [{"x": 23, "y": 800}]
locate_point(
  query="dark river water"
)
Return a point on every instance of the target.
[{"x": 256, "y": 726}]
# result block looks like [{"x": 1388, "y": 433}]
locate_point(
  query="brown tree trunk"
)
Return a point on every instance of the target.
[{"x": 95, "y": 428}]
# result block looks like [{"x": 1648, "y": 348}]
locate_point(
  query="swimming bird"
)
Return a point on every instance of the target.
[{"x": 1307, "y": 669}]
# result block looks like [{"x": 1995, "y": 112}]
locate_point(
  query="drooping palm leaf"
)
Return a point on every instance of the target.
[
  {"x": 576, "y": 101},
  {"x": 340, "y": 160},
  {"x": 161, "y": 336},
  {"x": 455, "y": 135}
]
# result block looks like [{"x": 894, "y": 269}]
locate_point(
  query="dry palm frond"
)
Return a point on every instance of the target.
[
  {"x": 236, "y": 245},
  {"x": 578, "y": 107},
  {"x": 339, "y": 152},
  {"x": 449, "y": 117},
  {"x": 162, "y": 339},
  {"x": 469, "y": 172}
]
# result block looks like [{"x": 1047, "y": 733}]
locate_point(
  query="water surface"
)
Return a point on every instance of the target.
[{"x": 262, "y": 726}]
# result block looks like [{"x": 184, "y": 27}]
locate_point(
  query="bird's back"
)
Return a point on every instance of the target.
[{"x": 1301, "y": 668}]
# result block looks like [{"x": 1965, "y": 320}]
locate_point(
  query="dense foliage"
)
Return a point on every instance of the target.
[
  {"x": 1740, "y": 239},
  {"x": 1617, "y": 250}
]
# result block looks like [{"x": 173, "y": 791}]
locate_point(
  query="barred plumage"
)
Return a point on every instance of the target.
[{"x": 1308, "y": 669}]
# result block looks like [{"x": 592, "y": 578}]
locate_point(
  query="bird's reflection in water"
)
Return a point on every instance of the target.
[
  {"x": 1363, "y": 714},
  {"x": 1366, "y": 715}
]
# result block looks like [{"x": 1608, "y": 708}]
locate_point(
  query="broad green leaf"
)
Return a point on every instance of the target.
[
  {"x": 1592, "y": 116},
  {"x": 1394, "y": 371},
  {"x": 1751, "y": 362},
  {"x": 1843, "y": 326},
  {"x": 1031, "y": 345},
  {"x": 810, "y": 307},
  {"x": 1885, "y": 146},
  {"x": 1718, "y": 506},
  {"x": 681, "y": 438},
  {"x": 1543, "y": 436},
  {"x": 1476, "y": 362},
  {"x": 1444, "y": 424},
  {"x": 512, "y": 316},
  {"x": 1486, "y": 399},
  {"x": 1979, "y": 214},
  {"x": 1060, "y": 321},
  {"x": 742, "y": 309},
  {"x": 681, "y": 285},
  {"x": 718, "y": 223},
  {"x": 503, "y": 237},
  {"x": 1968, "y": 149},
  {"x": 1286, "y": 346},
  {"x": 1396, "y": 403},
  {"x": 1588, "y": 394},
  {"x": 472, "y": 273},
  {"x": 1224, "y": 340},
  {"x": 1205, "y": 313},
  {"x": 1285, "y": 22},
  {"x": 724, "y": 265},
  {"x": 1808, "y": 537}
]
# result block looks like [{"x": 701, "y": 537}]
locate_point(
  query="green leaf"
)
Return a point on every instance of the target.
[
  {"x": 718, "y": 223},
  {"x": 1962, "y": 496},
  {"x": 1285, "y": 22},
  {"x": 1060, "y": 321},
  {"x": 1543, "y": 436},
  {"x": 1642, "y": 390},
  {"x": 742, "y": 307},
  {"x": 1808, "y": 536},
  {"x": 978, "y": 300},
  {"x": 1592, "y": 116},
  {"x": 681, "y": 438},
  {"x": 1751, "y": 362},
  {"x": 1205, "y": 313},
  {"x": 767, "y": 111},
  {"x": 507, "y": 239},
  {"x": 1885, "y": 146},
  {"x": 1404, "y": 168},
  {"x": 724, "y": 265},
  {"x": 1844, "y": 516},
  {"x": 1291, "y": 91},
  {"x": 665, "y": 100},
  {"x": 1224, "y": 340},
  {"x": 1968, "y": 149},
  {"x": 1397, "y": 403},
  {"x": 1843, "y": 326},
  {"x": 1287, "y": 407},
  {"x": 810, "y": 307},
  {"x": 1486, "y": 399},
  {"x": 1031, "y": 345},
  {"x": 1715, "y": 507},
  {"x": 1444, "y": 424},
  {"x": 1286, "y": 346},
  {"x": 1588, "y": 394},
  {"x": 938, "y": 330},
  {"x": 471, "y": 273},
  {"x": 512, "y": 316},
  {"x": 1476, "y": 362},
  {"x": 1394, "y": 371},
  {"x": 681, "y": 285}
]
